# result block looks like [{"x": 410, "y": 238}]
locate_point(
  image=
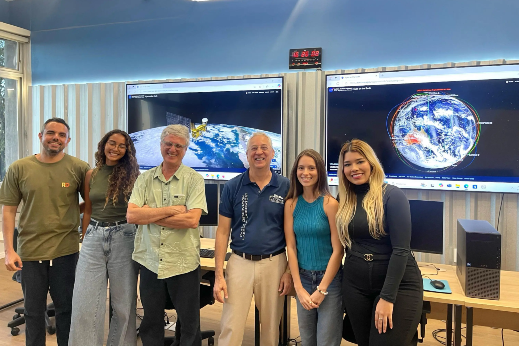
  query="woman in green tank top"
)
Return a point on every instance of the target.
[
  {"x": 107, "y": 248},
  {"x": 314, "y": 251}
]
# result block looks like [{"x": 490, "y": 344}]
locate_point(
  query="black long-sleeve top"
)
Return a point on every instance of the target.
[{"x": 396, "y": 242}]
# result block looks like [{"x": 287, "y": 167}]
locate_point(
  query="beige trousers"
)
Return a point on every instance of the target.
[{"x": 246, "y": 278}]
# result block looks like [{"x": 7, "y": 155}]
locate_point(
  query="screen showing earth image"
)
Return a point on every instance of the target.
[
  {"x": 451, "y": 129},
  {"x": 433, "y": 131},
  {"x": 221, "y": 117}
]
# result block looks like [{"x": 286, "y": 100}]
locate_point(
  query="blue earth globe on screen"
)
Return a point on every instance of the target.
[
  {"x": 433, "y": 132},
  {"x": 219, "y": 146}
]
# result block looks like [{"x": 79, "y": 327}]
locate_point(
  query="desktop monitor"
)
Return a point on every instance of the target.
[
  {"x": 451, "y": 129},
  {"x": 221, "y": 116},
  {"x": 426, "y": 226},
  {"x": 211, "y": 196}
]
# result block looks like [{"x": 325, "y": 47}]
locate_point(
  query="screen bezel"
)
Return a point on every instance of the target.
[
  {"x": 230, "y": 81},
  {"x": 333, "y": 181}
]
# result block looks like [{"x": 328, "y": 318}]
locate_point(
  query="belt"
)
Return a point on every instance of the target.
[
  {"x": 257, "y": 257},
  {"x": 368, "y": 257},
  {"x": 107, "y": 224}
]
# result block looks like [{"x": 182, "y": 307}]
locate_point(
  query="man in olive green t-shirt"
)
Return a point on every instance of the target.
[{"x": 48, "y": 183}]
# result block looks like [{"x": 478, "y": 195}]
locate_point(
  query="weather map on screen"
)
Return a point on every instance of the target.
[
  {"x": 443, "y": 129},
  {"x": 433, "y": 131},
  {"x": 220, "y": 115}
]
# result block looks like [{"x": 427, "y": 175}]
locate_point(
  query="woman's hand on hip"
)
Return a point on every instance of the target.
[{"x": 383, "y": 315}]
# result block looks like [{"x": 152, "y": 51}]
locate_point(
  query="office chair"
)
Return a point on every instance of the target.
[
  {"x": 19, "y": 319},
  {"x": 206, "y": 298}
]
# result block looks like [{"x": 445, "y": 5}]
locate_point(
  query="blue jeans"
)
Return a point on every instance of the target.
[
  {"x": 106, "y": 253},
  {"x": 321, "y": 326}
]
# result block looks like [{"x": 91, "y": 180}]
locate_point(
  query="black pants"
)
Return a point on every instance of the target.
[
  {"x": 362, "y": 283},
  {"x": 37, "y": 280},
  {"x": 184, "y": 291}
]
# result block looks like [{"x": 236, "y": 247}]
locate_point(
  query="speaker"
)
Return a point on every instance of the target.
[{"x": 478, "y": 263}]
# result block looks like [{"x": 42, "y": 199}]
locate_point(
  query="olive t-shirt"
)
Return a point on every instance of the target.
[
  {"x": 49, "y": 217},
  {"x": 98, "y": 189}
]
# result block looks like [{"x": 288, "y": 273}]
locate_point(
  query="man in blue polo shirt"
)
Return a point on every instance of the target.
[{"x": 252, "y": 205}]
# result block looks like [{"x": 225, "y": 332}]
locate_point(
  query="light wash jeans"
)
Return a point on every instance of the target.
[
  {"x": 321, "y": 326},
  {"x": 106, "y": 253}
]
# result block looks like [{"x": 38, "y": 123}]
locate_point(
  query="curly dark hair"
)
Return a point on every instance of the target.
[{"x": 125, "y": 172}]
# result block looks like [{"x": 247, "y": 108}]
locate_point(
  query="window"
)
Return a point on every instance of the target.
[
  {"x": 9, "y": 54},
  {"x": 8, "y": 123},
  {"x": 13, "y": 75}
]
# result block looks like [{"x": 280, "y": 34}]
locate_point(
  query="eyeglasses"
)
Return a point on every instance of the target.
[
  {"x": 176, "y": 145},
  {"x": 255, "y": 148},
  {"x": 112, "y": 144}
]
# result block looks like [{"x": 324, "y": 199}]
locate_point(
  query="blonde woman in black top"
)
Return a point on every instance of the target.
[
  {"x": 382, "y": 285},
  {"x": 107, "y": 248}
]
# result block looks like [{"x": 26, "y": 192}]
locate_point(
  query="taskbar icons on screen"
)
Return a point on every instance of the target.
[
  {"x": 218, "y": 175},
  {"x": 448, "y": 185}
]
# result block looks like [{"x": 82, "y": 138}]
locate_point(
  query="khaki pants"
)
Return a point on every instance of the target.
[{"x": 246, "y": 278}]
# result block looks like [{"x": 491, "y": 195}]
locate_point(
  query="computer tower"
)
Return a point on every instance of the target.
[{"x": 479, "y": 259}]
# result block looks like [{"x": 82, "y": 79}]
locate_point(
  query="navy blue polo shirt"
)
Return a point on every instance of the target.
[{"x": 256, "y": 216}]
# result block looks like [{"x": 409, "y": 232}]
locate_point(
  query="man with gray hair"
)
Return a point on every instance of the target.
[
  {"x": 251, "y": 212},
  {"x": 167, "y": 202}
]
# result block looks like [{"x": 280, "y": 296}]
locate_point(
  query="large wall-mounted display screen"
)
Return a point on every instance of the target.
[
  {"x": 221, "y": 116},
  {"x": 451, "y": 129}
]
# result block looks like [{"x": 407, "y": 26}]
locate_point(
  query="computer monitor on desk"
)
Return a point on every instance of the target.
[
  {"x": 211, "y": 196},
  {"x": 426, "y": 226}
]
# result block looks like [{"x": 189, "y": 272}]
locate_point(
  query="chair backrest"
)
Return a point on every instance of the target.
[{"x": 206, "y": 292}]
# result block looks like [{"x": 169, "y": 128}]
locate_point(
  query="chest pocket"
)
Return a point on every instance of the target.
[{"x": 178, "y": 199}]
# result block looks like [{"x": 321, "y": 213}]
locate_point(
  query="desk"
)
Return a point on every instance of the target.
[
  {"x": 502, "y": 313},
  {"x": 443, "y": 304},
  {"x": 208, "y": 263}
]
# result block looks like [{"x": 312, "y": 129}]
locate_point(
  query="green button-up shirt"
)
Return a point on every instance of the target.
[{"x": 168, "y": 251}]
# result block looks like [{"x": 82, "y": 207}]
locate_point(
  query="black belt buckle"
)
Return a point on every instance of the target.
[
  {"x": 368, "y": 257},
  {"x": 252, "y": 257},
  {"x": 248, "y": 257}
]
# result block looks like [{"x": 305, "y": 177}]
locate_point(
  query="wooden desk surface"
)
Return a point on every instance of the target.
[
  {"x": 208, "y": 263},
  {"x": 509, "y": 300},
  {"x": 447, "y": 273}
]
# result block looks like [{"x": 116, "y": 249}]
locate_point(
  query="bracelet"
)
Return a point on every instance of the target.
[{"x": 322, "y": 292}]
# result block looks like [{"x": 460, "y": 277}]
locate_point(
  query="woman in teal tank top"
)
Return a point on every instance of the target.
[
  {"x": 314, "y": 251},
  {"x": 107, "y": 248}
]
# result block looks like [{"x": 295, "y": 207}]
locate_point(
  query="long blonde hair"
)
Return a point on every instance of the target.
[{"x": 372, "y": 202}]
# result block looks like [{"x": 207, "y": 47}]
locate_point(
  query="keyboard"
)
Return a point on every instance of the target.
[{"x": 207, "y": 253}]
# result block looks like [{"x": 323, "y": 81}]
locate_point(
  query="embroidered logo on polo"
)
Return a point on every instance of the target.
[
  {"x": 276, "y": 199},
  {"x": 244, "y": 214},
  {"x": 65, "y": 184}
]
